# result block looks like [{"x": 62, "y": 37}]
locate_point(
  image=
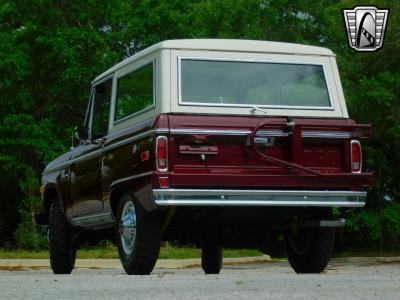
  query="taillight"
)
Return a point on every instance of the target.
[
  {"x": 162, "y": 154},
  {"x": 164, "y": 182},
  {"x": 356, "y": 157}
]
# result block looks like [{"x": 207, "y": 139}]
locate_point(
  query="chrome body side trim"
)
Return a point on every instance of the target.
[
  {"x": 161, "y": 130},
  {"x": 128, "y": 140},
  {"x": 98, "y": 152},
  {"x": 92, "y": 220},
  {"x": 89, "y": 155},
  {"x": 64, "y": 165},
  {"x": 130, "y": 178},
  {"x": 214, "y": 197}
]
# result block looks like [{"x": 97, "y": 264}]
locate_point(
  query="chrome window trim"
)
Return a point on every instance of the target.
[
  {"x": 228, "y": 197},
  {"x": 153, "y": 106},
  {"x": 182, "y": 103}
]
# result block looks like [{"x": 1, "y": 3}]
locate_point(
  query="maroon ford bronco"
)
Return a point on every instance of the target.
[{"x": 210, "y": 142}]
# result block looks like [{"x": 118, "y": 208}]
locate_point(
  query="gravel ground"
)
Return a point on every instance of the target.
[{"x": 342, "y": 280}]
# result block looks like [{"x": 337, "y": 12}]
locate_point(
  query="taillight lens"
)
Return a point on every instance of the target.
[
  {"x": 164, "y": 182},
  {"x": 162, "y": 153},
  {"x": 356, "y": 157}
]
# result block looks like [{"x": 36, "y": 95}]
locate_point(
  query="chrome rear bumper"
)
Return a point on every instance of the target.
[{"x": 225, "y": 197}]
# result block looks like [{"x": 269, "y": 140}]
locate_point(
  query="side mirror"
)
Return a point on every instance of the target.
[{"x": 81, "y": 133}]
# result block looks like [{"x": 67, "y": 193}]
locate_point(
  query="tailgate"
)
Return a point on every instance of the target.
[{"x": 264, "y": 152}]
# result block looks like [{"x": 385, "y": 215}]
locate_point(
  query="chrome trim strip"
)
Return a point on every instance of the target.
[
  {"x": 265, "y": 133},
  {"x": 128, "y": 140},
  {"x": 130, "y": 178},
  {"x": 89, "y": 155},
  {"x": 161, "y": 130},
  {"x": 62, "y": 166},
  {"x": 210, "y": 131},
  {"x": 272, "y": 133},
  {"x": 200, "y": 197},
  {"x": 98, "y": 152},
  {"x": 93, "y": 219},
  {"x": 327, "y": 134}
]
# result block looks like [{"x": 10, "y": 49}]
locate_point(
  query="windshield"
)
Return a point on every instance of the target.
[{"x": 243, "y": 83}]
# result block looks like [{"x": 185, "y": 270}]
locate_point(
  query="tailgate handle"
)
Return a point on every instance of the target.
[
  {"x": 276, "y": 160},
  {"x": 207, "y": 150}
]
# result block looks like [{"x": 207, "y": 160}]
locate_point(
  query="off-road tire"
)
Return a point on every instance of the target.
[
  {"x": 211, "y": 252},
  {"x": 309, "y": 249},
  {"x": 62, "y": 246},
  {"x": 147, "y": 241}
]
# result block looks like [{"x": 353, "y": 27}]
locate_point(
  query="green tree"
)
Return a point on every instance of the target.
[{"x": 29, "y": 235}]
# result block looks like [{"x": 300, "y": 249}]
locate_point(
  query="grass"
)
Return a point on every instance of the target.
[{"x": 110, "y": 251}]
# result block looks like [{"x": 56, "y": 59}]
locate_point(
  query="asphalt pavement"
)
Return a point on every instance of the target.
[{"x": 358, "y": 278}]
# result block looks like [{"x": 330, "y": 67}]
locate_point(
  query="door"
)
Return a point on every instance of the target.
[{"x": 86, "y": 183}]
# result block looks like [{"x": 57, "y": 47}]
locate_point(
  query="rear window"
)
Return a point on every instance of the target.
[{"x": 245, "y": 84}]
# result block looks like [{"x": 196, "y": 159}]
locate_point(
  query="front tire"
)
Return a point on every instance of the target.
[
  {"x": 138, "y": 236},
  {"x": 309, "y": 249},
  {"x": 62, "y": 246}
]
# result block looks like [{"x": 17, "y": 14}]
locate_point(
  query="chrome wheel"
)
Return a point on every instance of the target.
[{"x": 127, "y": 227}]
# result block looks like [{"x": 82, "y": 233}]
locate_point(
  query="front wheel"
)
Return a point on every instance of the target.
[
  {"x": 138, "y": 236},
  {"x": 62, "y": 245},
  {"x": 309, "y": 249}
]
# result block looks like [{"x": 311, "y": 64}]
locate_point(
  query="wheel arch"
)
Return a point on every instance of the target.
[
  {"x": 115, "y": 197},
  {"x": 140, "y": 188},
  {"x": 51, "y": 192}
]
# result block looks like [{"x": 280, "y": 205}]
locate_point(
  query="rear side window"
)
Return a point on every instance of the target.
[{"x": 135, "y": 92}]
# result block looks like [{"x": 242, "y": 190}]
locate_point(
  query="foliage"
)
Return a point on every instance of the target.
[
  {"x": 29, "y": 235},
  {"x": 51, "y": 50},
  {"x": 373, "y": 228}
]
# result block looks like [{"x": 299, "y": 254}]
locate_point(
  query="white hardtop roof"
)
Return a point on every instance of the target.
[{"x": 227, "y": 45}]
